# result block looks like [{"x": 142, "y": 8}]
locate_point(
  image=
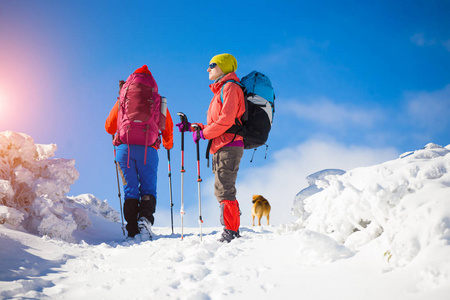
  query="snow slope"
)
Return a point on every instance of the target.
[{"x": 380, "y": 232}]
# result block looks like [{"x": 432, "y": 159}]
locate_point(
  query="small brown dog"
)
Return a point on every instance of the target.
[{"x": 261, "y": 207}]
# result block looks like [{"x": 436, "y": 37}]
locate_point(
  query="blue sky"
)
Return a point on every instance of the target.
[{"x": 356, "y": 82}]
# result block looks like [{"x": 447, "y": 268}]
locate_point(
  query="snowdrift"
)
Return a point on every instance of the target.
[
  {"x": 33, "y": 188},
  {"x": 406, "y": 201}
]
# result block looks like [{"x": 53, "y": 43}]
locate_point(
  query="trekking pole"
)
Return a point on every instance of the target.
[
  {"x": 199, "y": 179},
  {"x": 170, "y": 188},
  {"x": 118, "y": 187},
  {"x": 183, "y": 119}
]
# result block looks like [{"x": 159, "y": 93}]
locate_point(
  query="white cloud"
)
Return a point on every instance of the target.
[
  {"x": 420, "y": 40},
  {"x": 297, "y": 50},
  {"x": 284, "y": 177},
  {"x": 326, "y": 112},
  {"x": 446, "y": 44},
  {"x": 429, "y": 108}
]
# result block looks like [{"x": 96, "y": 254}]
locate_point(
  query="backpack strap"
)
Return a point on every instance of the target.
[
  {"x": 231, "y": 80},
  {"x": 237, "y": 127},
  {"x": 208, "y": 148}
]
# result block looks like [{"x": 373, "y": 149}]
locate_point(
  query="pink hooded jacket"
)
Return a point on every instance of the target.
[{"x": 221, "y": 116}]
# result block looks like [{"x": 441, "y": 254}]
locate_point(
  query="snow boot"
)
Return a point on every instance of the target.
[
  {"x": 147, "y": 208},
  {"x": 131, "y": 210},
  {"x": 228, "y": 235},
  {"x": 145, "y": 229},
  {"x": 230, "y": 217}
]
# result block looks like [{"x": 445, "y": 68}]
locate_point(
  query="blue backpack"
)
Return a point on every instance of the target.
[{"x": 256, "y": 122}]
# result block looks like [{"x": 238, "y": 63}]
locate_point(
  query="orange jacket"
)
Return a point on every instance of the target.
[
  {"x": 167, "y": 133},
  {"x": 221, "y": 116}
]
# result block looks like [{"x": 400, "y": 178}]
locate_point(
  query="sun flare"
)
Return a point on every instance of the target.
[{"x": 2, "y": 106}]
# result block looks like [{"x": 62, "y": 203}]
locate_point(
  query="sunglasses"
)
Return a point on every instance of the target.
[{"x": 212, "y": 65}]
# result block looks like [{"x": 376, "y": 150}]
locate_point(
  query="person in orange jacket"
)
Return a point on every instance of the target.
[
  {"x": 139, "y": 167},
  {"x": 226, "y": 106}
]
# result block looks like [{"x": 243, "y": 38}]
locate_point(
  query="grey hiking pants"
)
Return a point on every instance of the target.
[{"x": 225, "y": 165}]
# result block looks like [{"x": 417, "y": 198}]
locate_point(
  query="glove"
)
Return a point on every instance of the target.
[
  {"x": 197, "y": 135},
  {"x": 184, "y": 126},
  {"x": 168, "y": 145},
  {"x": 199, "y": 125}
]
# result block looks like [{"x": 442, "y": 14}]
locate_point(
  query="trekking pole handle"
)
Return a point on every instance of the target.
[
  {"x": 197, "y": 128},
  {"x": 183, "y": 120}
]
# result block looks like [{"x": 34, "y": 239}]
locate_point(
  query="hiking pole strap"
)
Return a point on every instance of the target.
[{"x": 208, "y": 149}]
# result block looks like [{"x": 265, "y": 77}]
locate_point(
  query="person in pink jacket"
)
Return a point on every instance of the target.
[{"x": 226, "y": 106}]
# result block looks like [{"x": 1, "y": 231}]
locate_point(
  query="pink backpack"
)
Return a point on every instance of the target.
[{"x": 138, "y": 119}]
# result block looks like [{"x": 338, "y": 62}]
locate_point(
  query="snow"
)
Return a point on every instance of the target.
[
  {"x": 406, "y": 200},
  {"x": 33, "y": 188},
  {"x": 378, "y": 232}
]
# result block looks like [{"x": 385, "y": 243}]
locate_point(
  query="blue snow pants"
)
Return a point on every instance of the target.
[{"x": 139, "y": 179}]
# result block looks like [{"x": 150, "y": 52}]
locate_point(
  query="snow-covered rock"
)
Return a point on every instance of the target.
[
  {"x": 317, "y": 182},
  {"x": 406, "y": 200},
  {"x": 33, "y": 188}
]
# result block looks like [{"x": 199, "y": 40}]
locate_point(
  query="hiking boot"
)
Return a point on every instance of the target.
[
  {"x": 147, "y": 208},
  {"x": 228, "y": 235},
  {"x": 145, "y": 228},
  {"x": 131, "y": 210}
]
